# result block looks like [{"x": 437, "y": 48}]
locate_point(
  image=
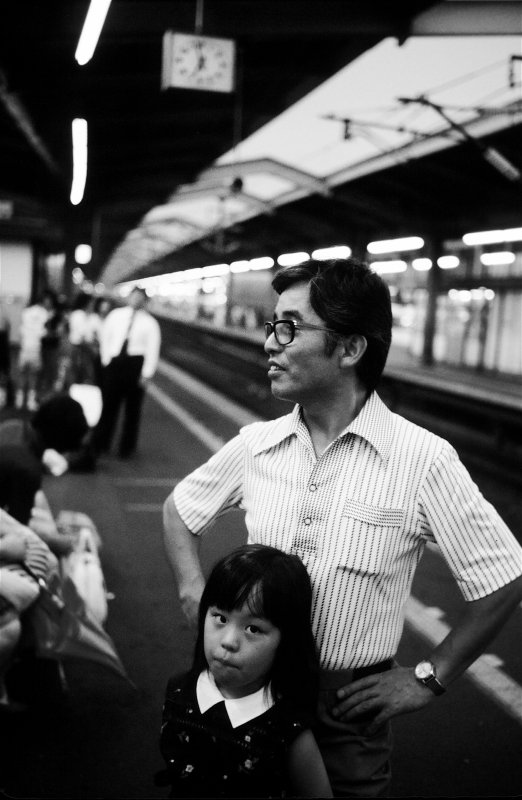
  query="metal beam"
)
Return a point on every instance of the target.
[{"x": 469, "y": 18}]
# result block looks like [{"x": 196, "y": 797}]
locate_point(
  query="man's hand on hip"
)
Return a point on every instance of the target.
[
  {"x": 380, "y": 697},
  {"x": 189, "y": 597}
]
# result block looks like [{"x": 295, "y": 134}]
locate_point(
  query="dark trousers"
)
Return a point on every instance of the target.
[
  {"x": 358, "y": 765},
  {"x": 120, "y": 388}
]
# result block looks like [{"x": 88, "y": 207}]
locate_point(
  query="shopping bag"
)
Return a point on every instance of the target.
[
  {"x": 84, "y": 568},
  {"x": 74, "y": 522},
  {"x": 61, "y": 626}
]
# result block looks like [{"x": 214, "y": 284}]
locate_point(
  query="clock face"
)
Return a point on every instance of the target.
[{"x": 198, "y": 62}]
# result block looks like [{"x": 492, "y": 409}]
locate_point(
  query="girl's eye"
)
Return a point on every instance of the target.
[
  {"x": 218, "y": 617},
  {"x": 254, "y": 629}
]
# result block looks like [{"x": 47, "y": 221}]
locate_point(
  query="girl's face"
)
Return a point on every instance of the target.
[{"x": 240, "y": 648}]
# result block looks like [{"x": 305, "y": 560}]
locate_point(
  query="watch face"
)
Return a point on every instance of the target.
[
  {"x": 198, "y": 62},
  {"x": 423, "y": 670}
]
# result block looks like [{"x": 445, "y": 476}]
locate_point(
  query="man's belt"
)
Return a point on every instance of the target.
[
  {"x": 333, "y": 679},
  {"x": 373, "y": 669}
]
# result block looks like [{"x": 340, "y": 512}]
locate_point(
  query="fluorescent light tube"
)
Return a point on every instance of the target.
[
  {"x": 91, "y": 30},
  {"x": 395, "y": 245},
  {"x": 79, "y": 139}
]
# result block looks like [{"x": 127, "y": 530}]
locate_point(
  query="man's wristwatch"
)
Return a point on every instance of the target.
[{"x": 425, "y": 673}]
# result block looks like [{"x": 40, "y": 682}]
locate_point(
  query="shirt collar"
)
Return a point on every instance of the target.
[
  {"x": 373, "y": 423},
  {"x": 240, "y": 710},
  {"x": 280, "y": 429}
]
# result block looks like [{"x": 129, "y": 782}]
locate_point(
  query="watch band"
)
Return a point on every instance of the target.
[{"x": 433, "y": 684}]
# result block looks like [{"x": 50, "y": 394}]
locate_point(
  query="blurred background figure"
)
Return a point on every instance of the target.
[
  {"x": 79, "y": 366},
  {"x": 32, "y": 331},
  {"x": 6, "y": 381},
  {"x": 97, "y": 311},
  {"x": 53, "y": 341},
  {"x": 130, "y": 346}
]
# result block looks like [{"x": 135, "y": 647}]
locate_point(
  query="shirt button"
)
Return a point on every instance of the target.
[
  {"x": 312, "y": 487},
  {"x": 307, "y": 521}
]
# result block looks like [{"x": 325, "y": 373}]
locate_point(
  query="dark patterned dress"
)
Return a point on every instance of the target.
[{"x": 207, "y": 757}]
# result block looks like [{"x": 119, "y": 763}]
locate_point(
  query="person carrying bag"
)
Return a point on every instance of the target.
[{"x": 129, "y": 345}]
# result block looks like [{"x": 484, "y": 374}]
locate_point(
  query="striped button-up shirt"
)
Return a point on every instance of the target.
[{"x": 359, "y": 517}]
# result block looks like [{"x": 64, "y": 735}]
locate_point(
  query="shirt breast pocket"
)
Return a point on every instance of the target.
[{"x": 371, "y": 537}]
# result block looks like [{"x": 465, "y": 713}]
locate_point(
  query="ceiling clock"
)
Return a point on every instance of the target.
[{"x": 198, "y": 62}]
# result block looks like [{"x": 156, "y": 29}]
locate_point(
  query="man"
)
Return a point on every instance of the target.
[
  {"x": 130, "y": 342},
  {"x": 356, "y": 491}
]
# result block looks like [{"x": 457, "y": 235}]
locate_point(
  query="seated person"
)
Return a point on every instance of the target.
[
  {"x": 18, "y": 589},
  {"x": 57, "y": 435}
]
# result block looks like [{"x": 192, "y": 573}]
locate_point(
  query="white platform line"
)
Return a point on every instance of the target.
[
  {"x": 145, "y": 481},
  {"x": 196, "y": 428},
  {"x": 143, "y": 507},
  {"x": 506, "y": 692},
  {"x": 233, "y": 411}
]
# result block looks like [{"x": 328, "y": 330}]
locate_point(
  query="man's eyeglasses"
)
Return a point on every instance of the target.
[{"x": 284, "y": 330}]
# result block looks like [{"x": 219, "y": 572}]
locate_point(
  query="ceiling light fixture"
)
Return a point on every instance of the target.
[
  {"x": 448, "y": 262},
  {"x": 83, "y": 253},
  {"x": 494, "y": 259},
  {"x": 292, "y": 259},
  {"x": 91, "y": 30},
  {"x": 493, "y": 237},
  {"x": 421, "y": 264},
  {"x": 79, "y": 144},
  {"x": 383, "y": 267},
  {"x": 240, "y": 266},
  {"x": 336, "y": 251},
  {"x": 263, "y": 262},
  {"x": 215, "y": 270},
  {"x": 395, "y": 245}
]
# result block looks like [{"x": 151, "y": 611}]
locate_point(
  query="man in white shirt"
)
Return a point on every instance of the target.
[
  {"x": 130, "y": 343},
  {"x": 356, "y": 491}
]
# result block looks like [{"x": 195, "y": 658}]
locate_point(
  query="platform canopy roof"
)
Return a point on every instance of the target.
[{"x": 348, "y": 121}]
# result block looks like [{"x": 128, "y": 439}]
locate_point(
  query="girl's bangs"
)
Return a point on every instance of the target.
[{"x": 233, "y": 590}]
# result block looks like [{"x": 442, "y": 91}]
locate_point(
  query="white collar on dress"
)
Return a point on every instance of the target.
[{"x": 239, "y": 711}]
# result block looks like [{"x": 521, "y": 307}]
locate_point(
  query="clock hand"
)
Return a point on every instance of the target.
[{"x": 199, "y": 66}]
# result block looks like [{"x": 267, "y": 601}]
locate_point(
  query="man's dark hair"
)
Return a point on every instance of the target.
[
  {"x": 350, "y": 299},
  {"x": 60, "y": 424}
]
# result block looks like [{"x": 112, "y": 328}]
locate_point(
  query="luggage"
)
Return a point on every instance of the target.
[{"x": 83, "y": 564}]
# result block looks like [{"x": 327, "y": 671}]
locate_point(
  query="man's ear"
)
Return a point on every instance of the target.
[{"x": 354, "y": 347}]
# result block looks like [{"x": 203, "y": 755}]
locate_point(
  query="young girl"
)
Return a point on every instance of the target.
[{"x": 238, "y": 725}]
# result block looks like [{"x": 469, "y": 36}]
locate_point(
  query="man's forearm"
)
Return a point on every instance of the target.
[
  {"x": 478, "y": 625},
  {"x": 182, "y": 549},
  {"x": 387, "y": 694}
]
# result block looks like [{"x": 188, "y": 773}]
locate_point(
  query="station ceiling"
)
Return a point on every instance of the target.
[{"x": 146, "y": 142}]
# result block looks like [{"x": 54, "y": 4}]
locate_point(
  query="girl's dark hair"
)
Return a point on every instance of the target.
[
  {"x": 350, "y": 298},
  {"x": 276, "y": 586}
]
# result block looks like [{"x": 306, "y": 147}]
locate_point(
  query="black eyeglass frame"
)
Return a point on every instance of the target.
[{"x": 271, "y": 328}]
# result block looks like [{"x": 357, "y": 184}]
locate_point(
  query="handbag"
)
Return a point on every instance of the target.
[
  {"x": 83, "y": 567},
  {"x": 60, "y": 626}
]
